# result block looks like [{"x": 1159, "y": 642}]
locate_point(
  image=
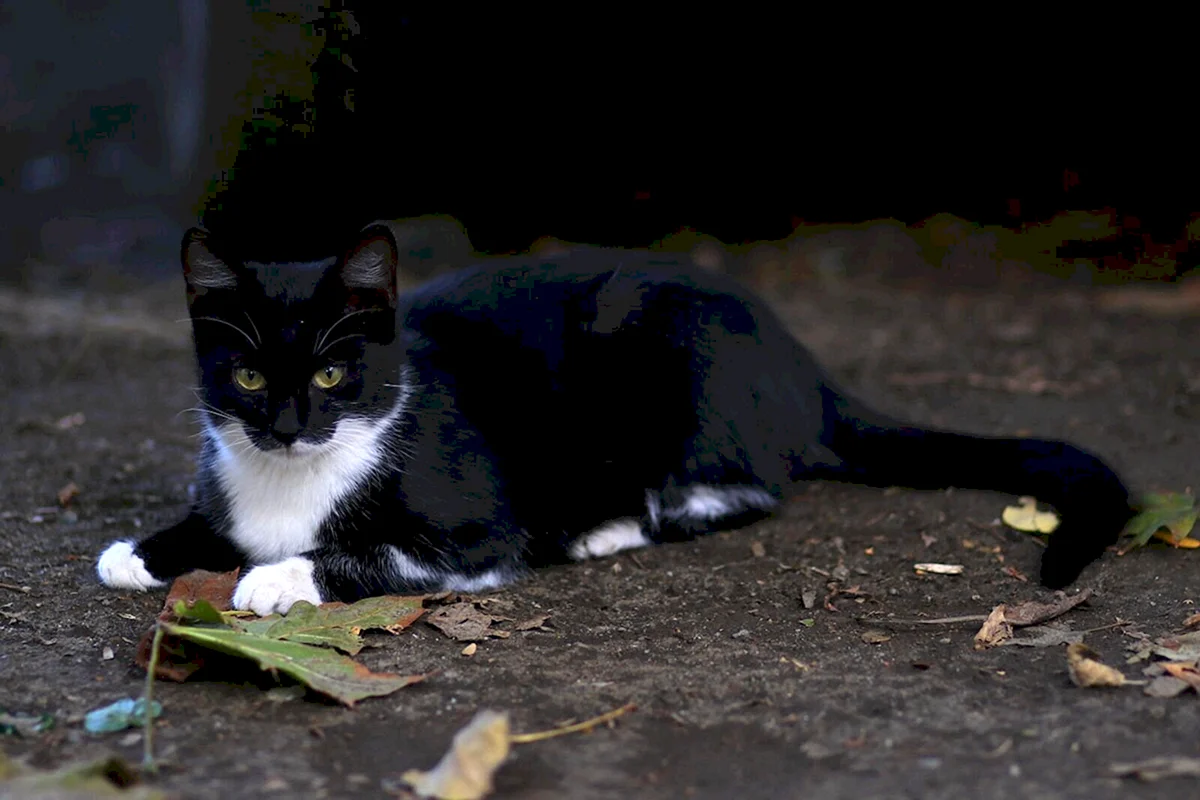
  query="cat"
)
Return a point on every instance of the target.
[{"x": 358, "y": 441}]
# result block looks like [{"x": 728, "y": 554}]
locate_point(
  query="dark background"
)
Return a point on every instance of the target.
[{"x": 598, "y": 126}]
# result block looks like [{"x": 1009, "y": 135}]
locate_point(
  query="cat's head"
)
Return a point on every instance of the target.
[{"x": 293, "y": 356}]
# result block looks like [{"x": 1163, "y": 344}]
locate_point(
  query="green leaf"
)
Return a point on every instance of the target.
[
  {"x": 1173, "y": 512},
  {"x": 104, "y": 777},
  {"x": 320, "y": 669},
  {"x": 336, "y": 624},
  {"x": 199, "y": 611},
  {"x": 118, "y": 716}
]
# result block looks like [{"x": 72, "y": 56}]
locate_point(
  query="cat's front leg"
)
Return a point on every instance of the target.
[
  {"x": 169, "y": 553},
  {"x": 331, "y": 573}
]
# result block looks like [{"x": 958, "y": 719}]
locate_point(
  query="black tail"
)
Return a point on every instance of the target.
[{"x": 1092, "y": 501}]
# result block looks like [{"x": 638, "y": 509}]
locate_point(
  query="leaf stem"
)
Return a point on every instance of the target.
[
  {"x": 579, "y": 727},
  {"x": 148, "y": 763}
]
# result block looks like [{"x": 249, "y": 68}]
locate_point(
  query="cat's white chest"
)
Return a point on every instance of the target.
[{"x": 278, "y": 501}]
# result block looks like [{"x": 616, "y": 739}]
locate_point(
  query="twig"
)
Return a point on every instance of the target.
[
  {"x": 148, "y": 764},
  {"x": 579, "y": 727},
  {"x": 15, "y": 588}
]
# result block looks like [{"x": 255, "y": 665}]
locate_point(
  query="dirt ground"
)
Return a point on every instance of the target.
[{"x": 742, "y": 691}]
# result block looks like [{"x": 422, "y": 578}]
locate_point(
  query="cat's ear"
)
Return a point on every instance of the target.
[
  {"x": 202, "y": 270},
  {"x": 371, "y": 265}
]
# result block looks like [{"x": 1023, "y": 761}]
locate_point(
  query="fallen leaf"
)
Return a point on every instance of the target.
[
  {"x": 1186, "y": 543},
  {"x": 1086, "y": 670},
  {"x": 105, "y": 777},
  {"x": 1174, "y": 514},
  {"x": 118, "y": 716},
  {"x": 464, "y": 622},
  {"x": 1155, "y": 769},
  {"x": 67, "y": 493},
  {"x": 337, "y": 624},
  {"x": 1027, "y": 518},
  {"x": 939, "y": 569},
  {"x": 1185, "y": 647},
  {"x": 318, "y": 668},
  {"x": 537, "y": 623},
  {"x": 757, "y": 549},
  {"x": 1033, "y": 613},
  {"x": 1192, "y": 621},
  {"x": 465, "y": 772},
  {"x": 996, "y": 628},
  {"x": 216, "y": 588},
  {"x": 875, "y": 637},
  {"x": 1166, "y": 686},
  {"x": 24, "y": 725},
  {"x": 470, "y": 649},
  {"x": 1184, "y": 672},
  {"x": 1045, "y": 636}
]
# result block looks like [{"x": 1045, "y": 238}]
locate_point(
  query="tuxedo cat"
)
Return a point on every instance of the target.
[{"x": 357, "y": 441}]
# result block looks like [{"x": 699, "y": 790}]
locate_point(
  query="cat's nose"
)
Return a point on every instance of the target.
[{"x": 287, "y": 426}]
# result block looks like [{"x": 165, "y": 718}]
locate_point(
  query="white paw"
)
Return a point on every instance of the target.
[
  {"x": 119, "y": 568},
  {"x": 612, "y": 537},
  {"x": 275, "y": 587}
]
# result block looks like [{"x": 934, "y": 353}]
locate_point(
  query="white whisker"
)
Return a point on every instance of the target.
[
  {"x": 319, "y": 348},
  {"x": 230, "y": 324},
  {"x": 341, "y": 339}
]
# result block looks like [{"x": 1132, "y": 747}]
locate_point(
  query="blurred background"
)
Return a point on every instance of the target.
[{"x": 776, "y": 146}]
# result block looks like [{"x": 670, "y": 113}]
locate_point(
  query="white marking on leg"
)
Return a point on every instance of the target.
[
  {"x": 611, "y": 537},
  {"x": 713, "y": 502},
  {"x": 276, "y": 587},
  {"x": 120, "y": 568},
  {"x": 492, "y": 579}
]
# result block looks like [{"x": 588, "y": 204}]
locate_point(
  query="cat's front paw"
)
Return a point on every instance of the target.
[
  {"x": 120, "y": 567},
  {"x": 275, "y": 587}
]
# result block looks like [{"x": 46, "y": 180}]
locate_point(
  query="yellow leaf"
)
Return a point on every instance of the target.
[
  {"x": 1187, "y": 542},
  {"x": 465, "y": 772},
  {"x": 1026, "y": 517},
  {"x": 1086, "y": 671}
]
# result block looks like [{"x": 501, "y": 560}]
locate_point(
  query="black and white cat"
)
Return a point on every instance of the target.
[{"x": 360, "y": 442}]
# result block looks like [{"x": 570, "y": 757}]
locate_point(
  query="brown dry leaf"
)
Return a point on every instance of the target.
[
  {"x": 1086, "y": 670},
  {"x": 757, "y": 549},
  {"x": 464, "y": 622},
  {"x": 875, "y": 637},
  {"x": 1046, "y": 636},
  {"x": 939, "y": 569},
  {"x": 537, "y": 623},
  {"x": 996, "y": 628},
  {"x": 465, "y": 772},
  {"x": 1155, "y": 769},
  {"x": 1184, "y": 647},
  {"x": 67, "y": 493},
  {"x": 1166, "y": 686},
  {"x": 1184, "y": 672},
  {"x": 1033, "y": 613},
  {"x": 470, "y": 649},
  {"x": 178, "y": 660},
  {"x": 1192, "y": 621}
]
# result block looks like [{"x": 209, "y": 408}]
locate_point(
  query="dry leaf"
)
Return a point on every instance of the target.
[
  {"x": 1166, "y": 686},
  {"x": 1086, "y": 670},
  {"x": 470, "y": 649},
  {"x": 177, "y": 660},
  {"x": 465, "y": 772},
  {"x": 537, "y": 623},
  {"x": 875, "y": 637},
  {"x": 1154, "y": 769},
  {"x": 757, "y": 549},
  {"x": 67, "y": 493},
  {"x": 996, "y": 628},
  {"x": 1192, "y": 621},
  {"x": 1034, "y": 613},
  {"x": 1046, "y": 636},
  {"x": 1027, "y": 518},
  {"x": 464, "y": 622},
  {"x": 1184, "y": 672},
  {"x": 939, "y": 569}
]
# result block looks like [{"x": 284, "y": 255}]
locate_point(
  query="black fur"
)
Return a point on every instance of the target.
[{"x": 548, "y": 398}]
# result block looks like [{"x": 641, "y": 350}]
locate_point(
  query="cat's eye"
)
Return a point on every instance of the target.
[
  {"x": 328, "y": 377},
  {"x": 249, "y": 379}
]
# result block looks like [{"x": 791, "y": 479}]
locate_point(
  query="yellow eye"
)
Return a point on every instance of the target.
[
  {"x": 328, "y": 377},
  {"x": 249, "y": 379}
]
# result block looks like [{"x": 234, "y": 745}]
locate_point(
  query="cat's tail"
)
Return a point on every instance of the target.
[{"x": 1092, "y": 501}]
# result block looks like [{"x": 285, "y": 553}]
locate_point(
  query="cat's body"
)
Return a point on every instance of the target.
[{"x": 500, "y": 418}]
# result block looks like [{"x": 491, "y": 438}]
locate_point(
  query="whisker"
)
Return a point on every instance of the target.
[
  {"x": 253, "y": 327},
  {"x": 341, "y": 339},
  {"x": 324, "y": 336},
  {"x": 230, "y": 324}
]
